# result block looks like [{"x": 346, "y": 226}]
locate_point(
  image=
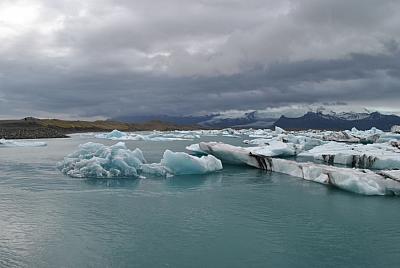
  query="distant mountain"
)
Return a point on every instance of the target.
[
  {"x": 239, "y": 120},
  {"x": 217, "y": 120},
  {"x": 317, "y": 117},
  {"x": 178, "y": 120},
  {"x": 341, "y": 121}
]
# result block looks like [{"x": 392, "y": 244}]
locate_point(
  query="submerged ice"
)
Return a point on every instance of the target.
[{"x": 95, "y": 160}]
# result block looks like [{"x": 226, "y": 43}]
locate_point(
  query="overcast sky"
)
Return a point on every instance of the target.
[{"x": 108, "y": 58}]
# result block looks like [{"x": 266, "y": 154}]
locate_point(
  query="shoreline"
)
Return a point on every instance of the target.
[{"x": 33, "y": 128}]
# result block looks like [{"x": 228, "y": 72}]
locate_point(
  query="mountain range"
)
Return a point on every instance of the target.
[
  {"x": 312, "y": 120},
  {"x": 327, "y": 120}
]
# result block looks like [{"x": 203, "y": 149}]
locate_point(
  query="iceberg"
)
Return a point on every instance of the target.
[
  {"x": 392, "y": 174},
  {"x": 94, "y": 160},
  {"x": 388, "y": 136},
  {"x": 273, "y": 148},
  {"x": 341, "y": 136},
  {"x": 228, "y": 154},
  {"x": 14, "y": 143},
  {"x": 279, "y": 130},
  {"x": 370, "y": 156},
  {"x": 113, "y": 135},
  {"x": 195, "y": 149},
  {"x": 300, "y": 142},
  {"x": 277, "y": 148},
  {"x": 179, "y": 163},
  {"x": 395, "y": 129},
  {"x": 359, "y": 181},
  {"x": 154, "y": 136}
]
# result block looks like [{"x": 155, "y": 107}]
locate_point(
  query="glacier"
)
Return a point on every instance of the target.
[{"x": 95, "y": 160}]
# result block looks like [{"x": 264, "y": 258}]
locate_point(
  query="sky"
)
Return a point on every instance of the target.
[{"x": 111, "y": 58}]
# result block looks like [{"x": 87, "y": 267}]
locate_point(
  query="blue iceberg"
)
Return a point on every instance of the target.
[{"x": 95, "y": 160}]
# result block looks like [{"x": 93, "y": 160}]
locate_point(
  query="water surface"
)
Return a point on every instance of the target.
[{"x": 239, "y": 217}]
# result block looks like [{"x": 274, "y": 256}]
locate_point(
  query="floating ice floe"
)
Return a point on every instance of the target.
[
  {"x": 388, "y": 136},
  {"x": 235, "y": 153},
  {"x": 277, "y": 148},
  {"x": 153, "y": 136},
  {"x": 14, "y": 143},
  {"x": 279, "y": 130},
  {"x": 372, "y": 156},
  {"x": 353, "y": 136},
  {"x": 300, "y": 142},
  {"x": 354, "y": 180},
  {"x": 179, "y": 163},
  {"x": 94, "y": 160},
  {"x": 340, "y": 136}
]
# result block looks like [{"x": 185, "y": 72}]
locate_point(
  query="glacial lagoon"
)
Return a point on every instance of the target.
[{"x": 235, "y": 217}]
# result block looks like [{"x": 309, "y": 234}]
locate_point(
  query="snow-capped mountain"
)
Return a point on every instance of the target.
[
  {"x": 295, "y": 116},
  {"x": 313, "y": 120}
]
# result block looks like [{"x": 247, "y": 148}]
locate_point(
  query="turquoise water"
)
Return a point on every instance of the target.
[{"x": 239, "y": 217}]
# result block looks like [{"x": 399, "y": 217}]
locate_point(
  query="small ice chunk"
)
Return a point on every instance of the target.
[
  {"x": 179, "y": 163},
  {"x": 395, "y": 129},
  {"x": 279, "y": 130},
  {"x": 195, "y": 149},
  {"x": 277, "y": 148}
]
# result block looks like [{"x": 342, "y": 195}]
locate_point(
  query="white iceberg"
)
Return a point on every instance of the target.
[
  {"x": 341, "y": 136},
  {"x": 153, "y": 136},
  {"x": 395, "y": 129},
  {"x": 179, "y": 163},
  {"x": 279, "y": 130},
  {"x": 277, "y": 148},
  {"x": 354, "y": 180},
  {"x": 371, "y": 156},
  {"x": 14, "y": 143},
  {"x": 195, "y": 149},
  {"x": 273, "y": 148},
  {"x": 298, "y": 141},
  {"x": 113, "y": 135}
]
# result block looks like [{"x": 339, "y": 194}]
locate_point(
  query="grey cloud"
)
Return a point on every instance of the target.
[{"x": 113, "y": 57}]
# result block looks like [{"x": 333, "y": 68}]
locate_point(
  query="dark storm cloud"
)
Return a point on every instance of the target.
[{"x": 111, "y": 58}]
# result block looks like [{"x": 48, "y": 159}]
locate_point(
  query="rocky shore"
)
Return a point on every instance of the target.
[{"x": 30, "y": 133}]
